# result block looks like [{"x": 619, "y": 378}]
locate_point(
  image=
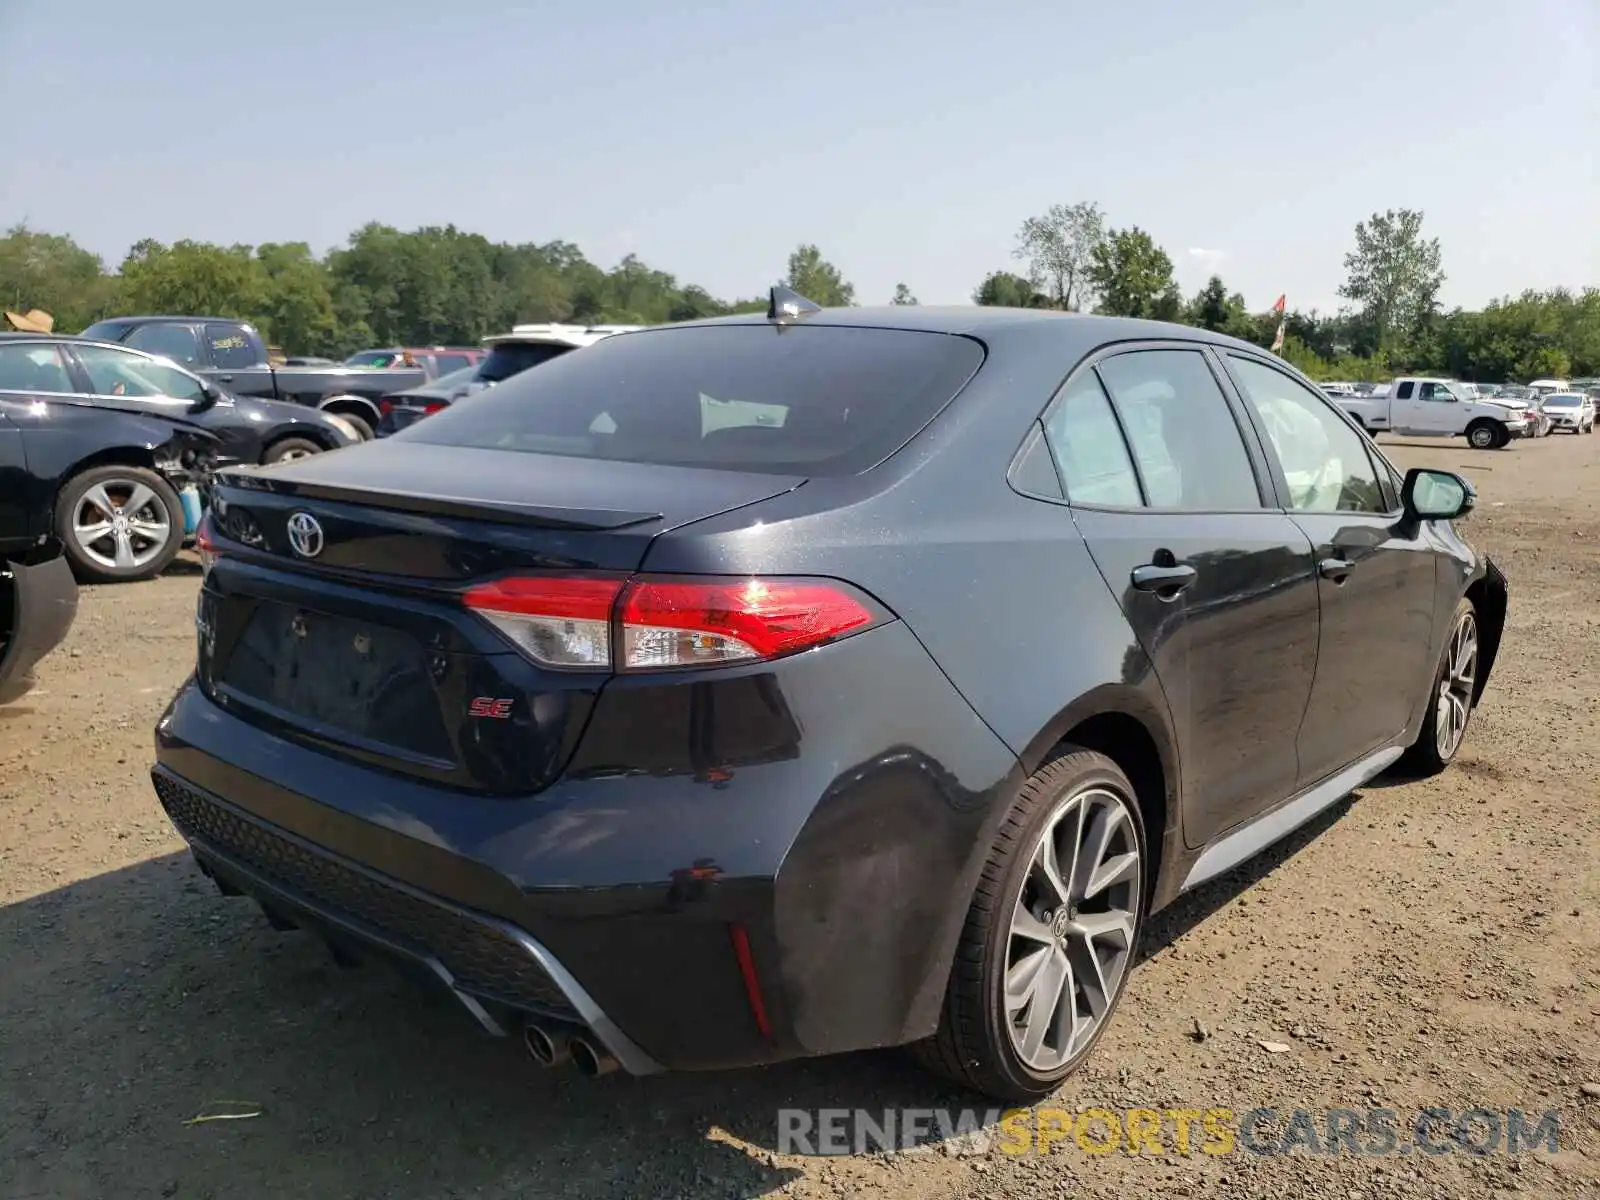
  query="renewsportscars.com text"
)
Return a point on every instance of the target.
[{"x": 1179, "y": 1131}]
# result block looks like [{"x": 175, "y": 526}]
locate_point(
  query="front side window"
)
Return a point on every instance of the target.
[
  {"x": 120, "y": 373},
  {"x": 33, "y": 367},
  {"x": 1438, "y": 393},
  {"x": 177, "y": 342},
  {"x": 1185, "y": 440},
  {"x": 1324, "y": 460},
  {"x": 230, "y": 347},
  {"x": 1088, "y": 447}
]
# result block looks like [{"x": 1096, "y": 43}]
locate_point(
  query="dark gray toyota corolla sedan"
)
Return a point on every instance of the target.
[{"x": 766, "y": 687}]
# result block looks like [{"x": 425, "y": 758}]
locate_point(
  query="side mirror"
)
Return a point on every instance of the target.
[
  {"x": 1437, "y": 495},
  {"x": 209, "y": 395}
]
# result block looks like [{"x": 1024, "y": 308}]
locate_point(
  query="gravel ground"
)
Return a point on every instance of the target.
[{"x": 1425, "y": 944}]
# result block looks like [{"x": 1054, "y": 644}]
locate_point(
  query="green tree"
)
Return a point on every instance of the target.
[
  {"x": 817, "y": 279},
  {"x": 193, "y": 277},
  {"x": 53, "y": 273},
  {"x": 902, "y": 295},
  {"x": 296, "y": 307},
  {"x": 1059, "y": 249},
  {"x": 1004, "y": 290},
  {"x": 1133, "y": 276},
  {"x": 1394, "y": 275}
]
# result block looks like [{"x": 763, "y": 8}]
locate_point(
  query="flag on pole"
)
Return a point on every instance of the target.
[
  {"x": 1279, "y": 306},
  {"x": 1277, "y": 342}
]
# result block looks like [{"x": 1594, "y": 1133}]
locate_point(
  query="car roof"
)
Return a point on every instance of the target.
[
  {"x": 1068, "y": 332},
  {"x": 75, "y": 338}
]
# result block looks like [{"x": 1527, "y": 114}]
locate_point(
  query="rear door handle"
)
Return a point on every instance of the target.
[
  {"x": 225, "y": 378},
  {"x": 1336, "y": 569},
  {"x": 1166, "y": 582}
]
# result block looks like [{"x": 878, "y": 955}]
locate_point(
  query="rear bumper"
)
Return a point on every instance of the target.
[
  {"x": 831, "y": 811},
  {"x": 499, "y": 973},
  {"x": 44, "y": 603}
]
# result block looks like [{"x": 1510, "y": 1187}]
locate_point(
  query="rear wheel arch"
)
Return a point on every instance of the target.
[
  {"x": 1123, "y": 726},
  {"x": 358, "y": 407}
]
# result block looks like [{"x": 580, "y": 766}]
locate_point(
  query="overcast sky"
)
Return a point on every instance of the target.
[{"x": 1247, "y": 136}]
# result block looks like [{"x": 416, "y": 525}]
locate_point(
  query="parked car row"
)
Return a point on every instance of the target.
[
  {"x": 1487, "y": 416},
  {"x": 509, "y": 354}
]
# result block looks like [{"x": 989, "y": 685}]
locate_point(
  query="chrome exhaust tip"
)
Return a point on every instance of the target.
[
  {"x": 592, "y": 1060},
  {"x": 549, "y": 1047}
]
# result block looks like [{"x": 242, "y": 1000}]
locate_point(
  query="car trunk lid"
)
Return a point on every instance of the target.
[{"x": 333, "y": 614}]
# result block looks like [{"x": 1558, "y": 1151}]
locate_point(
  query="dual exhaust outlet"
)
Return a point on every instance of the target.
[{"x": 556, "y": 1045}]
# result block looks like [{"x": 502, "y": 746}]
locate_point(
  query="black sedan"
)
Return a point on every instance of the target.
[
  {"x": 750, "y": 689},
  {"x": 109, "y": 376}
]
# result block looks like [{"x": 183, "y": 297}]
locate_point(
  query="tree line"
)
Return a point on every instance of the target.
[{"x": 442, "y": 286}]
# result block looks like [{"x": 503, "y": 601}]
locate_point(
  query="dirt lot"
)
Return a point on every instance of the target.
[{"x": 1433, "y": 943}]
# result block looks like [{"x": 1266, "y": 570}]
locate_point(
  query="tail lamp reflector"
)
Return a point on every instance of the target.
[{"x": 648, "y": 623}]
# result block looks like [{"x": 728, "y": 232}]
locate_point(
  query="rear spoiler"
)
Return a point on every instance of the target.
[{"x": 537, "y": 516}]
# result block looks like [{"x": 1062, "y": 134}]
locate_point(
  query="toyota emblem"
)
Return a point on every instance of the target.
[{"x": 305, "y": 535}]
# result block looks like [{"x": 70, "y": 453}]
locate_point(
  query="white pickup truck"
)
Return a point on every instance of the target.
[{"x": 1440, "y": 408}]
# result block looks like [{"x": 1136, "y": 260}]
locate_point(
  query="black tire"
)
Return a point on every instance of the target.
[
  {"x": 357, "y": 416},
  {"x": 1487, "y": 435},
  {"x": 972, "y": 1046},
  {"x": 290, "y": 448},
  {"x": 1425, "y": 756},
  {"x": 95, "y": 561}
]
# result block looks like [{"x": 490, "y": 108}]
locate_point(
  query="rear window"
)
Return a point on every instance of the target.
[
  {"x": 513, "y": 358},
  {"x": 802, "y": 400}
]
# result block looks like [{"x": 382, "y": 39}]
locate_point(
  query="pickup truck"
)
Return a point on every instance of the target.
[
  {"x": 233, "y": 355},
  {"x": 1439, "y": 408}
]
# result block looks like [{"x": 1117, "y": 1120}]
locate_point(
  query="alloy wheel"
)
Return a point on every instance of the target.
[
  {"x": 121, "y": 524},
  {"x": 1456, "y": 687},
  {"x": 1070, "y": 943}
]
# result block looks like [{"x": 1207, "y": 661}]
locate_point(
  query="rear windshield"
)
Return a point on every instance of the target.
[
  {"x": 106, "y": 331},
  {"x": 513, "y": 358},
  {"x": 803, "y": 400}
]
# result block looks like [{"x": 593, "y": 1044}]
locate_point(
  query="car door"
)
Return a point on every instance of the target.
[
  {"x": 1438, "y": 411},
  {"x": 1168, "y": 486},
  {"x": 1375, "y": 570},
  {"x": 15, "y": 499},
  {"x": 38, "y": 400}
]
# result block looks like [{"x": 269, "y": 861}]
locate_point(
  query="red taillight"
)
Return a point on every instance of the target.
[
  {"x": 385, "y": 407},
  {"x": 205, "y": 544},
  {"x": 429, "y": 409},
  {"x": 557, "y": 622},
  {"x": 566, "y": 621},
  {"x": 682, "y": 623}
]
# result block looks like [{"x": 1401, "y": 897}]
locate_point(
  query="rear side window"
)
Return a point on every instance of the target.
[
  {"x": 32, "y": 367},
  {"x": 1185, "y": 440},
  {"x": 1405, "y": 391},
  {"x": 1089, "y": 449},
  {"x": 443, "y": 364},
  {"x": 800, "y": 400},
  {"x": 513, "y": 358},
  {"x": 177, "y": 342}
]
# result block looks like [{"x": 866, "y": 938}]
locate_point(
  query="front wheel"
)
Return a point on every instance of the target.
[
  {"x": 119, "y": 524},
  {"x": 1450, "y": 703},
  {"x": 1050, "y": 937},
  {"x": 1487, "y": 435}
]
